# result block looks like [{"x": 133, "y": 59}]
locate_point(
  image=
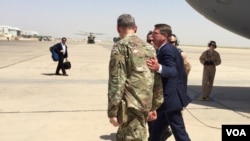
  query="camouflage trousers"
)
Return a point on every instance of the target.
[{"x": 135, "y": 127}]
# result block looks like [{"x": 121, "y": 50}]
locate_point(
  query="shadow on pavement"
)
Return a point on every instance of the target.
[
  {"x": 225, "y": 97},
  {"x": 48, "y": 74},
  {"x": 110, "y": 137}
]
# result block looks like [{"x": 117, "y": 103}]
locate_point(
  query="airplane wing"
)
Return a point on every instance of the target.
[{"x": 229, "y": 14}]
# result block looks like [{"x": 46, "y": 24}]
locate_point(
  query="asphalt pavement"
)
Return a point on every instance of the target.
[{"x": 36, "y": 105}]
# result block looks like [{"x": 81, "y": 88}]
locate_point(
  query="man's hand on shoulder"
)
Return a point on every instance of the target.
[{"x": 153, "y": 64}]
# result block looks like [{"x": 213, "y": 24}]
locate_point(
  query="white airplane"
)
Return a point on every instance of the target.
[{"x": 229, "y": 14}]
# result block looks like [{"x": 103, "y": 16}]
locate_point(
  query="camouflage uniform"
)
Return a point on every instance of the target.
[
  {"x": 131, "y": 80},
  {"x": 210, "y": 60}
]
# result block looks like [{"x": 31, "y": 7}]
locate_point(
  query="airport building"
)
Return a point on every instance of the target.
[{"x": 12, "y": 33}]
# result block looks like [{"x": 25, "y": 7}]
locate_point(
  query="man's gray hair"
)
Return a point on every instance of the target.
[
  {"x": 126, "y": 21},
  {"x": 165, "y": 29}
]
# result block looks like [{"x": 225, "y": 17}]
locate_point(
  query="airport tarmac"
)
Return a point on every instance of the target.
[{"x": 36, "y": 105}]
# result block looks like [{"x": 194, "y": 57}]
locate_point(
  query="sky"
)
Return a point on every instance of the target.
[{"x": 60, "y": 18}]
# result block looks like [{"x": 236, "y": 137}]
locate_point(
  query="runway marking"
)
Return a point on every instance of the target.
[
  {"x": 3, "y": 67},
  {"x": 55, "y": 111}
]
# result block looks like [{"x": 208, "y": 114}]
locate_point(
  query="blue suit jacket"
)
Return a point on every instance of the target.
[
  {"x": 59, "y": 47},
  {"x": 174, "y": 79}
]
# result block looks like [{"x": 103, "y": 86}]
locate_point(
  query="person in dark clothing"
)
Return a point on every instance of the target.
[
  {"x": 168, "y": 131},
  {"x": 169, "y": 64},
  {"x": 61, "y": 49}
]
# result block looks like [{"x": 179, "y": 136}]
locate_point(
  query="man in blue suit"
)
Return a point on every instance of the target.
[{"x": 169, "y": 64}]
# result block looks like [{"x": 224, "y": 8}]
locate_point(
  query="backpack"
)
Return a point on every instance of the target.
[{"x": 54, "y": 54}]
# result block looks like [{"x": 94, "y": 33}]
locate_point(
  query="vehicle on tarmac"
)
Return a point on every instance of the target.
[
  {"x": 44, "y": 38},
  {"x": 91, "y": 36}
]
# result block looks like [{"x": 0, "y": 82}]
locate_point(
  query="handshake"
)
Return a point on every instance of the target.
[{"x": 208, "y": 63}]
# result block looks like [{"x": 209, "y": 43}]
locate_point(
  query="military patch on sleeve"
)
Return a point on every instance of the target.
[
  {"x": 112, "y": 63},
  {"x": 114, "y": 53},
  {"x": 116, "y": 57}
]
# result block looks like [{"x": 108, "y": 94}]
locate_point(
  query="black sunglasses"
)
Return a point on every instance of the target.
[{"x": 172, "y": 42}]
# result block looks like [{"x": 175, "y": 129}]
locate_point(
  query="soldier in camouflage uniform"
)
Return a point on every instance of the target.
[
  {"x": 132, "y": 82},
  {"x": 209, "y": 59}
]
